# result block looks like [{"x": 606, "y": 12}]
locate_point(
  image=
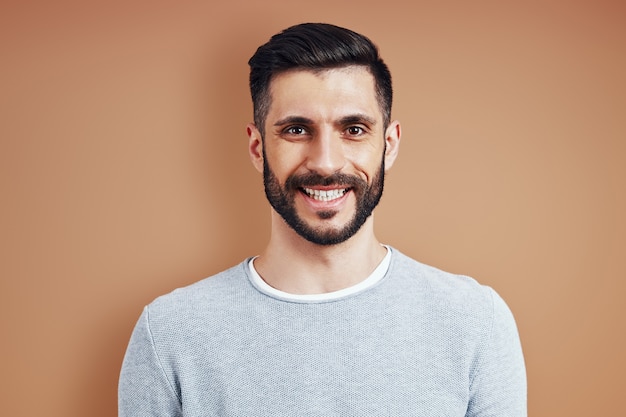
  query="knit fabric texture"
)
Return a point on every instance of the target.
[{"x": 421, "y": 342}]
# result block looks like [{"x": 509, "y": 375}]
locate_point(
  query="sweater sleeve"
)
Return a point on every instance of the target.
[
  {"x": 499, "y": 384},
  {"x": 144, "y": 389}
]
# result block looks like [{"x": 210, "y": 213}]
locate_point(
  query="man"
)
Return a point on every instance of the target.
[{"x": 326, "y": 321}]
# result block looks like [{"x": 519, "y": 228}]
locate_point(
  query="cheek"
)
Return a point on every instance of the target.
[
  {"x": 285, "y": 160},
  {"x": 277, "y": 169},
  {"x": 368, "y": 164}
]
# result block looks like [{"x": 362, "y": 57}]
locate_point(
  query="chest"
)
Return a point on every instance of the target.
[{"x": 317, "y": 365}]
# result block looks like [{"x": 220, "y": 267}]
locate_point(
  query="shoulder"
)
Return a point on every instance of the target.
[
  {"x": 432, "y": 279},
  {"x": 209, "y": 294},
  {"x": 455, "y": 302},
  {"x": 444, "y": 291}
]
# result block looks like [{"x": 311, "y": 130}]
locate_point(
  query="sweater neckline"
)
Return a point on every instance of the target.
[{"x": 376, "y": 275}]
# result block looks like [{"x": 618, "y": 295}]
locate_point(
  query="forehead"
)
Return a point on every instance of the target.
[{"x": 325, "y": 93}]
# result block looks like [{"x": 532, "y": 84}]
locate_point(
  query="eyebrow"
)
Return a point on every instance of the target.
[
  {"x": 300, "y": 120},
  {"x": 357, "y": 118},
  {"x": 346, "y": 120}
]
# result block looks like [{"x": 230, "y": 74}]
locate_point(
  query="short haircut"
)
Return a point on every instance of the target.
[{"x": 315, "y": 47}]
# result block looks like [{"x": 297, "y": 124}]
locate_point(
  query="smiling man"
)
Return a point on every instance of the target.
[
  {"x": 326, "y": 321},
  {"x": 324, "y": 149}
]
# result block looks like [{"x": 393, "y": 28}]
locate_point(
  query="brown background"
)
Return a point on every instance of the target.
[{"x": 124, "y": 174}]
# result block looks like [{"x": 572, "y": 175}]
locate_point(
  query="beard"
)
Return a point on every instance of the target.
[{"x": 282, "y": 199}]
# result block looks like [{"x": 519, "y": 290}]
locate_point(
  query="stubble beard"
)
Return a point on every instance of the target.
[{"x": 282, "y": 199}]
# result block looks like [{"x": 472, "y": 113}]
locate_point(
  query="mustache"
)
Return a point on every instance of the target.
[{"x": 312, "y": 179}]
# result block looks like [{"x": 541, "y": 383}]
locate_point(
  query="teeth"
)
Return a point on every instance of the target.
[{"x": 325, "y": 195}]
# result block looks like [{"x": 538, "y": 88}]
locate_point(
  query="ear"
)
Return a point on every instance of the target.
[
  {"x": 255, "y": 146},
  {"x": 392, "y": 142}
]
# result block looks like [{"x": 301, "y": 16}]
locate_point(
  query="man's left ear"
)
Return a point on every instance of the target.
[{"x": 392, "y": 142}]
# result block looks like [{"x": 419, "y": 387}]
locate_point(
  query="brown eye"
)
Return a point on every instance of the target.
[
  {"x": 355, "y": 130},
  {"x": 295, "y": 130}
]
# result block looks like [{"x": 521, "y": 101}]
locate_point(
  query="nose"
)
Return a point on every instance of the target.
[{"x": 325, "y": 154}]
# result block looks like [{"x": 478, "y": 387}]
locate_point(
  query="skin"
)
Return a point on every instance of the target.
[{"x": 322, "y": 122}]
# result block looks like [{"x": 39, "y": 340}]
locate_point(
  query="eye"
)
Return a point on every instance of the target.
[
  {"x": 295, "y": 130},
  {"x": 355, "y": 130}
]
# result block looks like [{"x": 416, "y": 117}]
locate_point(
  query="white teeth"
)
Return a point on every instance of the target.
[{"x": 325, "y": 195}]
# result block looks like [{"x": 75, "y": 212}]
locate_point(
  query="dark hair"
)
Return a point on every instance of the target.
[{"x": 315, "y": 46}]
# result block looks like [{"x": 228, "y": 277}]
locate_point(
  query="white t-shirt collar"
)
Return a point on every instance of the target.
[{"x": 369, "y": 282}]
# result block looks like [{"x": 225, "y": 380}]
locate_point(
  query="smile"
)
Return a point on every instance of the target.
[{"x": 325, "y": 195}]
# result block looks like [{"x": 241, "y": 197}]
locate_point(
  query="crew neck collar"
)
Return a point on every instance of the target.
[{"x": 376, "y": 275}]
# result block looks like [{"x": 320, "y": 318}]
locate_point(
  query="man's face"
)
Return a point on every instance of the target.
[{"x": 323, "y": 156}]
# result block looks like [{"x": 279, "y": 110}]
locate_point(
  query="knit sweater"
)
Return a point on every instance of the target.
[{"x": 420, "y": 342}]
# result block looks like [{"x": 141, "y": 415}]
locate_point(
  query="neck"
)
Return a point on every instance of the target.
[{"x": 294, "y": 265}]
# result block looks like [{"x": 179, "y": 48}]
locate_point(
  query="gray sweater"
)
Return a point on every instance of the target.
[{"x": 420, "y": 342}]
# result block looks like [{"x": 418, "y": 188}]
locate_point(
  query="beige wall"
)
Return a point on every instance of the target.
[{"x": 124, "y": 174}]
